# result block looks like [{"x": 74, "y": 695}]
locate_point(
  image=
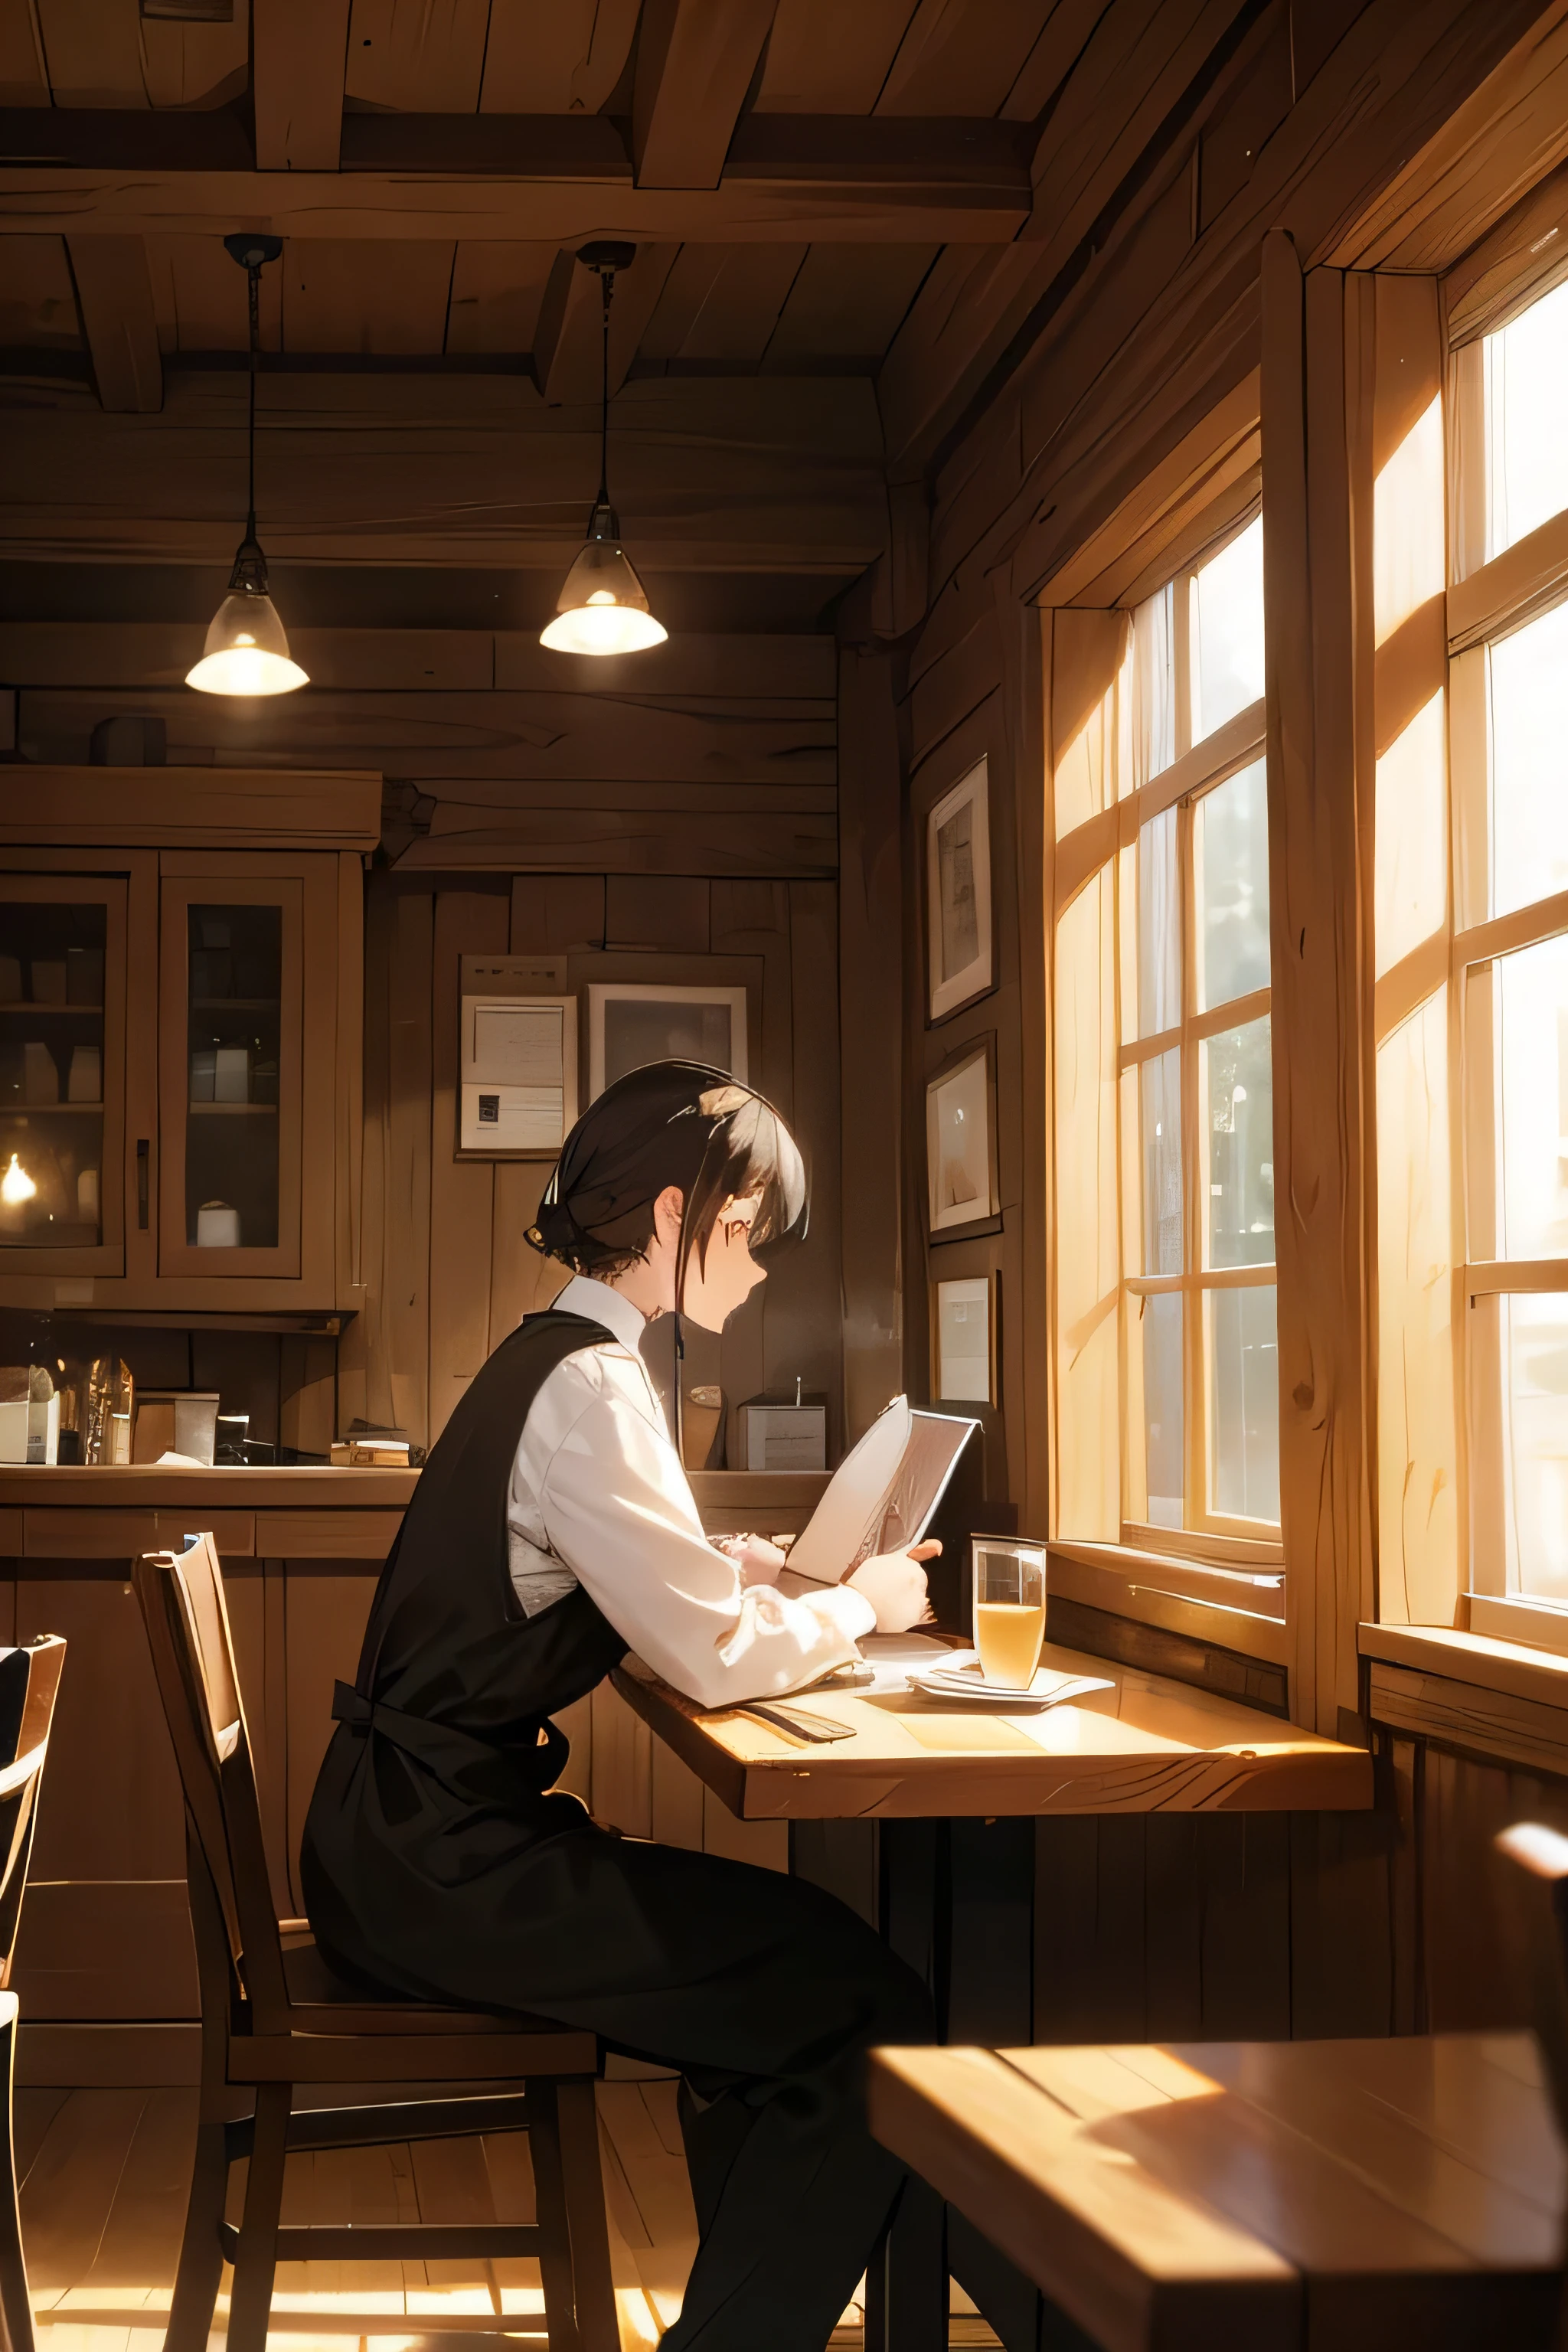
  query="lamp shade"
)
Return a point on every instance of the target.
[
  {"x": 247, "y": 650},
  {"x": 603, "y": 605}
]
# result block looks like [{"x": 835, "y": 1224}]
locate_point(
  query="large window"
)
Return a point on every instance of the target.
[
  {"x": 1471, "y": 916},
  {"x": 1165, "y": 1281}
]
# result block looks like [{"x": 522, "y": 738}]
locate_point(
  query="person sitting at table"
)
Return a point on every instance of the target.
[{"x": 551, "y": 1531}]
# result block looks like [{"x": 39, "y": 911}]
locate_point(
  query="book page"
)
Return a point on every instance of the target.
[{"x": 883, "y": 1493}]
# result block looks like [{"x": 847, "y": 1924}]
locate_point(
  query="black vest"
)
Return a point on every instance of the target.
[{"x": 444, "y": 1736}]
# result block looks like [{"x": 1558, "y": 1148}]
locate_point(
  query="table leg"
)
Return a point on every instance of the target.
[{"x": 906, "y": 2280}]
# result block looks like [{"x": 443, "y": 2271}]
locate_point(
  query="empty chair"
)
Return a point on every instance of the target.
[
  {"x": 274, "y": 2016},
  {"x": 29, "y": 1681}
]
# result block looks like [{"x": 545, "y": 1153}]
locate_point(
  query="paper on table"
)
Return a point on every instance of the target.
[
  {"x": 883, "y": 1494},
  {"x": 949, "y": 1677}
]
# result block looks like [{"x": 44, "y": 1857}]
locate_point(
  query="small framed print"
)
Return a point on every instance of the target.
[
  {"x": 960, "y": 1141},
  {"x": 634, "y": 1021},
  {"x": 963, "y": 1349},
  {"x": 958, "y": 895}
]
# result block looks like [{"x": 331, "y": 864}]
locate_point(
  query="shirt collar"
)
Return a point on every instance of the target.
[{"x": 597, "y": 1303}]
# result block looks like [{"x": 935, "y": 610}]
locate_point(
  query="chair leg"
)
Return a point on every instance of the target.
[
  {"x": 251, "y": 2305},
  {"x": 16, "y": 2309},
  {"x": 584, "y": 2183},
  {"x": 200, "y": 2273},
  {"x": 549, "y": 2198}
]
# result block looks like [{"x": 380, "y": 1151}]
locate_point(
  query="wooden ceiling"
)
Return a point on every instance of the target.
[{"x": 614, "y": 107}]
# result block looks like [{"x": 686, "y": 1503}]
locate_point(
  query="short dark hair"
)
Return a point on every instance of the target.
[{"x": 680, "y": 1123}]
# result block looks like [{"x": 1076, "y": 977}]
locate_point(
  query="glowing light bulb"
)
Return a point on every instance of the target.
[
  {"x": 603, "y": 596},
  {"x": 17, "y": 1185}
]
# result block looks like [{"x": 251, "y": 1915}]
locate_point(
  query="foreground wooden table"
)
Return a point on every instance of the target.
[
  {"x": 1144, "y": 1746},
  {"x": 1267, "y": 2197}
]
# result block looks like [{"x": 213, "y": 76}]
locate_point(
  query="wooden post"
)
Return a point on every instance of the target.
[
  {"x": 1321, "y": 978},
  {"x": 870, "y": 961}
]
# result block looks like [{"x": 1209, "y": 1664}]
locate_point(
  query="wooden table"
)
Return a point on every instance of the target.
[
  {"x": 1146, "y": 1744},
  {"x": 1267, "y": 2197}
]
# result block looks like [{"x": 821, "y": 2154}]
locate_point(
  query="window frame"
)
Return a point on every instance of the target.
[{"x": 1232, "y": 1565}]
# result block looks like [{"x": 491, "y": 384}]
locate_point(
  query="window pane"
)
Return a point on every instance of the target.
[
  {"x": 1230, "y": 857},
  {"x": 52, "y": 988},
  {"x": 1158, "y": 928},
  {"x": 1161, "y": 1322},
  {"x": 1244, "y": 1404},
  {"x": 1532, "y": 1060},
  {"x": 1530, "y": 764},
  {"x": 235, "y": 1029},
  {"x": 1160, "y": 1109},
  {"x": 1535, "y": 1441},
  {"x": 1411, "y": 825},
  {"x": 1228, "y": 631},
  {"x": 1239, "y": 1112},
  {"x": 1154, "y": 712},
  {"x": 1526, "y": 453}
]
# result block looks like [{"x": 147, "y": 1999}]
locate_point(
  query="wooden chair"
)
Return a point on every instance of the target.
[
  {"x": 274, "y": 2016},
  {"x": 29, "y": 1681}
]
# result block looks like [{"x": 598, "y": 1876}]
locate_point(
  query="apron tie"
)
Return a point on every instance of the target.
[{"x": 447, "y": 1751}]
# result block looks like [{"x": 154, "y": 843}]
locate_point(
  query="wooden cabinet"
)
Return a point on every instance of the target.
[{"x": 180, "y": 1045}]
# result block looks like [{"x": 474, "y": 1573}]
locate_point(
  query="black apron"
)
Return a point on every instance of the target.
[{"x": 444, "y": 1754}]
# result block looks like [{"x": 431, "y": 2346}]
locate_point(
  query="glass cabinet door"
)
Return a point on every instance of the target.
[
  {"x": 62, "y": 1073},
  {"x": 230, "y": 1054}
]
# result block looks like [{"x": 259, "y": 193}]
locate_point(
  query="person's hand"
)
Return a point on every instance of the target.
[
  {"x": 758, "y": 1560},
  {"x": 895, "y": 1584}
]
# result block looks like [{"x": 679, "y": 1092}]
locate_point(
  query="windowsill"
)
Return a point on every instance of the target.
[
  {"x": 1241, "y": 1609},
  {"x": 1498, "y": 1699}
]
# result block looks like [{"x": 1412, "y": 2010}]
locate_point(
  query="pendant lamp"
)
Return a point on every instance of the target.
[
  {"x": 247, "y": 651},
  {"x": 603, "y": 607}
]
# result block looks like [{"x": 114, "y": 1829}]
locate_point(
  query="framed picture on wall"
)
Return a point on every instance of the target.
[
  {"x": 961, "y": 1140},
  {"x": 958, "y": 895},
  {"x": 964, "y": 1340},
  {"x": 634, "y": 1021}
]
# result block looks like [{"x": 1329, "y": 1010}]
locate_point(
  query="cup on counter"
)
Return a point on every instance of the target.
[
  {"x": 84, "y": 1079},
  {"x": 87, "y": 1196},
  {"x": 1009, "y": 1608}
]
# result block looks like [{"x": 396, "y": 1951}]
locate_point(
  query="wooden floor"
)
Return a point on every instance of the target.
[{"x": 104, "y": 2175}]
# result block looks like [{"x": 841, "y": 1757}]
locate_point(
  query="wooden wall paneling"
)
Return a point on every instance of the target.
[
  {"x": 1024, "y": 639},
  {"x": 1218, "y": 1928},
  {"x": 38, "y": 297},
  {"x": 554, "y": 914},
  {"x": 115, "y": 292},
  {"x": 349, "y": 1093},
  {"x": 461, "y": 1191},
  {"x": 406, "y": 1234},
  {"x": 23, "y": 78},
  {"x": 327, "y": 1534},
  {"x": 845, "y": 302},
  {"x": 308, "y": 1395},
  {"x": 1321, "y": 985},
  {"x": 802, "y": 1300},
  {"x": 1089, "y": 1927},
  {"x": 1403, "y": 1762},
  {"x": 871, "y": 952},
  {"x": 1342, "y": 1958},
  {"x": 365, "y": 1383},
  {"x": 105, "y": 1930},
  {"x": 752, "y": 919},
  {"x": 610, "y": 841},
  {"x": 670, "y": 913},
  {"x": 325, "y": 1610},
  {"x": 297, "y": 83},
  {"x": 1470, "y": 1952},
  {"x": 677, "y": 1803},
  {"x": 751, "y": 668},
  {"x": 159, "y": 653},
  {"x": 765, "y": 1845}
]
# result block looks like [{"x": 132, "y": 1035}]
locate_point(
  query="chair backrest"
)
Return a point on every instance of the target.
[
  {"x": 184, "y": 1608},
  {"x": 29, "y": 1678}
]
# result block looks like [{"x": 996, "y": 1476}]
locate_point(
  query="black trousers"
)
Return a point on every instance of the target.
[{"x": 766, "y": 1993}]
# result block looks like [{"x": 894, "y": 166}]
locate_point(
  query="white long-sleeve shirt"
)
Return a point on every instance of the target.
[{"x": 598, "y": 1497}]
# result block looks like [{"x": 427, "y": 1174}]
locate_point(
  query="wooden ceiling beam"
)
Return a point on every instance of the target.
[
  {"x": 556, "y": 179},
  {"x": 695, "y": 64},
  {"x": 114, "y": 294},
  {"x": 297, "y": 83},
  {"x": 731, "y": 476},
  {"x": 567, "y": 349}
]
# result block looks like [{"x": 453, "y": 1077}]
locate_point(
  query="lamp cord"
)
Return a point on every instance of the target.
[
  {"x": 607, "y": 281},
  {"x": 255, "y": 275}
]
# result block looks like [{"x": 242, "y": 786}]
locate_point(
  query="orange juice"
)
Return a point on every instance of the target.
[{"x": 1008, "y": 1635}]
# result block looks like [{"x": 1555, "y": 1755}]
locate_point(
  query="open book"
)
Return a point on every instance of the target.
[{"x": 883, "y": 1494}]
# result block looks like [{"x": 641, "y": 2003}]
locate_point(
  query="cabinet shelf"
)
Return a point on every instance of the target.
[
  {"x": 235, "y": 1003},
  {"x": 232, "y": 1110},
  {"x": 51, "y": 1110},
  {"x": 73, "y": 1012}
]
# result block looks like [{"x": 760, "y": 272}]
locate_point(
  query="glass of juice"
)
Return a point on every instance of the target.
[{"x": 1009, "y": 1608}]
